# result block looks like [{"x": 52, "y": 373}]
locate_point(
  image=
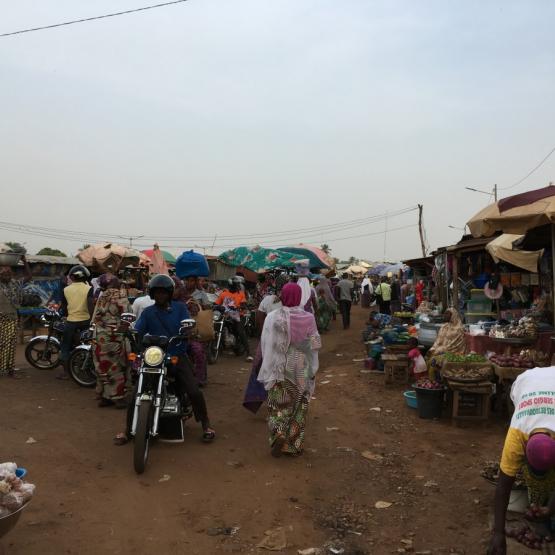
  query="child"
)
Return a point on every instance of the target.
[{"x": 418, "y": 367}]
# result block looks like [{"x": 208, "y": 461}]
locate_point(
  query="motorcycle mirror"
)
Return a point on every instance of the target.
[{"x": 128, "y": 317}]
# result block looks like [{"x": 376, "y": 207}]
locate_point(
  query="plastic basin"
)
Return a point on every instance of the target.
[
  {"x": 410, "y": 399},
  {"x": 9, "y": 522}
]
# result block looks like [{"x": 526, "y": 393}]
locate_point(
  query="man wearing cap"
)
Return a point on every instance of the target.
[{"x": 530, "y": 447}]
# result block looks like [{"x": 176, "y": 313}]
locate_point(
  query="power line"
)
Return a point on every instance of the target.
[
  {"x": 115, "y": 14},
  {"x": 530, "y": 172}
]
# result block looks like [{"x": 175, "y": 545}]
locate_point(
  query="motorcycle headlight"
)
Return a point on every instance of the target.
[
  {"x": 153, "y": 356},
  {"x": 217, "y": 316}
]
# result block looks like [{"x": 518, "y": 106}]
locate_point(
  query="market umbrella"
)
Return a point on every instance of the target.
[
  {"x": 393, "y": 269},
  {"x": 377, "y": 269},
  {"x": 108, "y": 257},
  {"x": 354, "y": 269},
  {"x": 259, "y": 259},
  {"x": 168, "y": 256},
  {"x": 516, "y": 214},
  {"x": 317, "y": 257},
  {"x": 501, "y": 248}
]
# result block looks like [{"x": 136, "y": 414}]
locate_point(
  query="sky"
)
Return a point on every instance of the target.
[{"x": 216, "y": 118}]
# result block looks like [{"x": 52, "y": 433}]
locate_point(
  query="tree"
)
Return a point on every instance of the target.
[
  {"x": 352, "y": 260},
  {"x": 326, "y": 248},
  {"x": 16, "y": 247},
  {"x": 47, "y": 251},
  {"x": 85, "y": 246}
]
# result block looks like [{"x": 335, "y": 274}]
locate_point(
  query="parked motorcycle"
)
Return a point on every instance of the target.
[
  {"x": 224, "y": 333},
  {"x": 159, "y": 408},
  {"x": 43, "y": 351}
]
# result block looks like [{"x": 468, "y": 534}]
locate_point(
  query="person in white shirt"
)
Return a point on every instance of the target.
[
  {"x": 140, "y": 304},
  {"x": 366, "y": 292},
  {"x": 268, "y": 304}
]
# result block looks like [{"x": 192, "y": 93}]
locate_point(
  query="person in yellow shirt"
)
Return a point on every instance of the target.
[
  {"x": 530, "y": 447},
  {"x": 77, "y": 306},
  {"x": 383, "y": 294}
]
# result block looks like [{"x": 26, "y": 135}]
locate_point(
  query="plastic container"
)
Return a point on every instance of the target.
[
  {"x": 430, "y": 402},
  {"x": 8, "y": 522},
  {"x": 478, "y": 306},
  {"x": 410, "y": 399},
  {"x": 478, "y": 295},
  {"x": 21, "y": 472},
  {"x": 518, "y": 502}
]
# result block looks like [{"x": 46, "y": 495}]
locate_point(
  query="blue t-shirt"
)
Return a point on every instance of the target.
[{"x": 158, "y": 321}]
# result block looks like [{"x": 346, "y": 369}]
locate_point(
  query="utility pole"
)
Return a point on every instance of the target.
[
  {"x": 495, "y": 192},
  {"x": 131, "y": 239},
  {"x": 421, "y": 230}
]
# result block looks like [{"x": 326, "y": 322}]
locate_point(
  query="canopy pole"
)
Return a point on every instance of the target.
[{"x": 553, "y": 270}]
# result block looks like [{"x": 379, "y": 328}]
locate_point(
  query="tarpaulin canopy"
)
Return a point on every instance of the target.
[
  {"x": 317, "y": 258},
  {"x": 355, "y": 269},
  {"x": 377, "y": 269},
  {"x": 516, "y": 214},
  {"x": 259, "y": 259},
  {"x": 501, "y": 248},
  {"x": 168, "y": 256},
  {"x": 106, "y": 257}
]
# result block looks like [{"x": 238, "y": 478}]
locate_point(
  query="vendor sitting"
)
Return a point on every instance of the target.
[
  {"x": 530, "y": 446},
  {"x": 450, "y": 339}
]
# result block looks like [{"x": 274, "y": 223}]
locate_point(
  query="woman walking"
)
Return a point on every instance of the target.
[
  {"x": 290, "y": 344},
  {"x": 110, "y": 348}
]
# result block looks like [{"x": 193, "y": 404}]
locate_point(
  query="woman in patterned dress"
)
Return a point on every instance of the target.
[
  {"x": 290, "y": 343},
  {"x": 110, "y": 347}
]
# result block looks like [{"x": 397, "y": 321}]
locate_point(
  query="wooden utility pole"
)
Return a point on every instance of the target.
[{"x": 421, "y": 230}]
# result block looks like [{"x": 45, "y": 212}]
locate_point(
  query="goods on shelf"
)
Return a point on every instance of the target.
[
  {"x": 525, "y": 327},
  {"x": 429, "y": 384},
  {"x": 471, "y": 358},
  {"x": 512, "y": 361}
]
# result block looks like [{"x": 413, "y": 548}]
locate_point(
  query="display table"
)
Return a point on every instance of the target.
[
  {"x": 28, "y": 316},
  {"x": 481, "y": 344}
]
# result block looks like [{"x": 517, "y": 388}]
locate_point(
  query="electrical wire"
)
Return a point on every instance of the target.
[
  {"x": 85, "y": 19},
  {"x": 530, "y": 172}
]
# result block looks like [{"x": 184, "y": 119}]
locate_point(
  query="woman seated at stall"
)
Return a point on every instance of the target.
[{"x": 450, "y": 339}]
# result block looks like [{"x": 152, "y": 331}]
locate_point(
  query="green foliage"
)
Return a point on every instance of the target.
[
  {"x": 16, "y": 247},
  {"x": 47, "y": 251}
]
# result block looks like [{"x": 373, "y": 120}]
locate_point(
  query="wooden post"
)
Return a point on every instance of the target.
[
  {"x": 421, "y": 230},
  {"x": 456, "y": 282}
]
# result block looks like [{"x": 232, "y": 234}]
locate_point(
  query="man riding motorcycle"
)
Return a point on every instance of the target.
[
  {"x": 234, "y": 298},
  {"x": 164, "y": 318},
  {"x": 77, "y": 305}
]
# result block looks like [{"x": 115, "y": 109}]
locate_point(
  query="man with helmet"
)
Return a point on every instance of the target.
[
  {"x": 77, "y": 306},
  {"x": 164, "y": 318},
  {"x": 234, "y": 298}
]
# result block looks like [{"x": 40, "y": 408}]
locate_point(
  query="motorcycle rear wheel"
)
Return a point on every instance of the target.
[
  {"x": 142, "y": 437},
  {"x": 81, "y": 368},
  {"x": 44, "y": 355}
]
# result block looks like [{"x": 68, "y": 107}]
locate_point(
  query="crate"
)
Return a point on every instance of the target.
[
  {"x": 479, "y": 307},
  {"x": 470, "y": 405},
  {"x": 478, "y": 295}
]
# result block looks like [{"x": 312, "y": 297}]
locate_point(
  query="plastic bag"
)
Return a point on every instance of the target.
[
  {"x": 191, "y": 264},
  {"x": 12, "y": 501},
  {"x": 27, "y": 491},
  {"x": 8, "y": 468}
]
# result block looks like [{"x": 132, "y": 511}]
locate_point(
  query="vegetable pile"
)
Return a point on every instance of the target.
[
  {"x": 512, "y": 361},
  {"x": 526, "y": 536},
  {"x": 428, "y": 384},
  {"x": 14, "y": 493},
  {"x": 471, "y": 358}
]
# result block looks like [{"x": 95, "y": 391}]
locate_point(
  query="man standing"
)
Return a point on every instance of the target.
[
  {"x": 345, "y": 288},
  {"x": 383, "y": 293},
  {"x": 77, "y": 305}
]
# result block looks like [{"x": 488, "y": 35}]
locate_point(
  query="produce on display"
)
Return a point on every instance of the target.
[
  {"x": 512, "y": 361},
  {"x": 525, "y": 328},
  {"x": 403, "y": 314},
  {"x": 526, "y": 536},
  {"x": 464, "y": 373},
  {"x": 428, "y": 384},
  {"x": 472, "y": 357},
  {"x": 14, "y": 492}
]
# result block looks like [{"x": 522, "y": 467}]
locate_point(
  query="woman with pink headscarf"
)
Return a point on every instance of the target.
[{"x": 290, "y": 344}]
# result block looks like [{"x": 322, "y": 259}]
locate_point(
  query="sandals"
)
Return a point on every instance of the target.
[
  {"x": 121, "y": 439},
  {"x": 209, "y": 435}
]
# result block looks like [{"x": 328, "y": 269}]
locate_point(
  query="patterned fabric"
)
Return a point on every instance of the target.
[
  {"x": 255, "y": 394},
  {"x": 110, "y": 348},
  {"x": 540, "y": 488},
  {"x": 259, "y": 259},
  {"x": 13, "y": 291},
  {"x": 197, "y": 351},
  {"x": 288, "y": 400},
  {"x": 8, "y": 339},
  {"x": 325, "y": 313},
  {"x": 450, "y": 338}
]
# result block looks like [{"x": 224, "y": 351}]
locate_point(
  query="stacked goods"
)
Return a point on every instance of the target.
[
  {"x": 539, "y": 358},
  {"x": 466, "y": 368},
  {"x": 470, "y": 358},
  {"x": 14, "y": 493},
  {"x": 512, "y": 361}
]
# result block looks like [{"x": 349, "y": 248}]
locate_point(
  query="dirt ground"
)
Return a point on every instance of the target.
[{"x": 223, "y": 497}]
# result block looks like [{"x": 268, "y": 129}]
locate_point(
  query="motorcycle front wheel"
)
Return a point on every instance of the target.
[
  {"x": 43, "y": 354},
  {"x": 142, "y": 437},
  {"x": 212, "y": 352},
  {"x": 81, "y": 368}
]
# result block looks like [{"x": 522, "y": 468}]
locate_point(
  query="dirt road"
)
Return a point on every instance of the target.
[{"x": 90, "y": 501}]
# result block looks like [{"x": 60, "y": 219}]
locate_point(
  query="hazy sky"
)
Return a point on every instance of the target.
[{"x": 241, "y": 117}]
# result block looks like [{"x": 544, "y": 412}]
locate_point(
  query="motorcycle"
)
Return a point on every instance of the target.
[
  {"x": 159, "y": 409},
  {"x": 81, "y": 361},
  {"x": 224, "y": 333},
  {"x": 43, "y": 351}
]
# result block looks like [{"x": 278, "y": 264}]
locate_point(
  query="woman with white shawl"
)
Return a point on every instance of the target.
[{"x": 290, "y": 344}]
